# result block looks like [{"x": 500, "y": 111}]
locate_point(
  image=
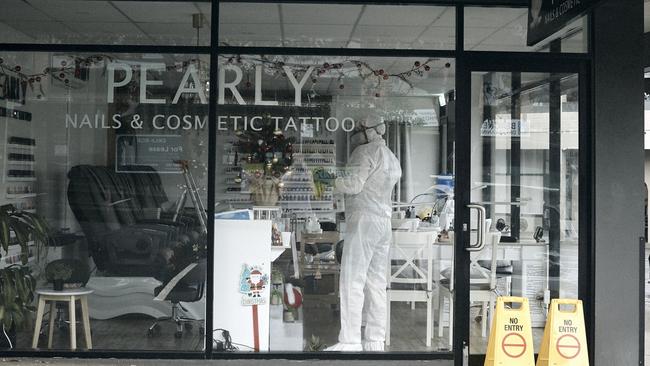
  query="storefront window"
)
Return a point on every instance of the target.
[
  {"x": 331, "y": 227},
  {"x": 100, "y": 147},
  {"x": 334, "y": 156},
  {"x": 106, "y": 22},
  {"x": 337, "y": 26}
]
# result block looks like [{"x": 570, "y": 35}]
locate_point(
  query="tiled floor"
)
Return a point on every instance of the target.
[{"x": 319, "y": 319}]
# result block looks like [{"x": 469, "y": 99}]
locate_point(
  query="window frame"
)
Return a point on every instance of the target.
[{"x": 464, "y": 60}]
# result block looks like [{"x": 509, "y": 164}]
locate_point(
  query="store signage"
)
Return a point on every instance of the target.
[
  {"x": 426, "y": 117},
  {"x": 546, "y": 17},
  {"x": 142, "y": 153},
  {"x": 504, "y": 128},
  {"x": 189, "y": 83}
]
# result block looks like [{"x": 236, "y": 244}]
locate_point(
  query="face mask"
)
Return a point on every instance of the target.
[
  {"x": 357, "y": 139},
  {"x": 360, "y": 134}
]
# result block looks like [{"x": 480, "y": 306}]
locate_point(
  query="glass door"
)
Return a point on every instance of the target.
[{"x": 520, "y": 203}]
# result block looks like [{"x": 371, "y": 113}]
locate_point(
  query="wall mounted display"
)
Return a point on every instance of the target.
[{"x": 158, "y": 152}]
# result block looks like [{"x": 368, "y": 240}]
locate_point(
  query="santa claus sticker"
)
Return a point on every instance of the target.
[{"x": 252, "y": 284}]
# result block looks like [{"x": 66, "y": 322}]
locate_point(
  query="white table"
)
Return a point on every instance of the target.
[
  {"x": 530, "y": 263},
  {"x": 530, "y": 275},
  {"x": 70, "y": 296}
]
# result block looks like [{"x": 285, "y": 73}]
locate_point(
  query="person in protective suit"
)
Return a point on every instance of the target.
[{"x": 373, "y": 171}]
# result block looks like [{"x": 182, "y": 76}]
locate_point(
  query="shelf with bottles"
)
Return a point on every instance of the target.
[
  {"x": 20, "y": 179},
  {"x": 20, "y": 193},
  {"x": 21, "y": 165},
  {"x": 20, "y": 147},
  {"x": 20, "y": 196},
  {"x": 314, "y": 161},
  {"x": 239, "y": 201}
]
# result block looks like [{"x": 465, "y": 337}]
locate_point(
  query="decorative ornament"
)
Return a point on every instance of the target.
[
  {"x": 417, "y": 63},
  {"x": 17, "y": 68},
  {"x": 427, "y": 68},
  {"x": 341, "y": 86}
]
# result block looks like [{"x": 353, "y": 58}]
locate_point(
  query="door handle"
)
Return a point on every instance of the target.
[{"x": 480, "y": 235}]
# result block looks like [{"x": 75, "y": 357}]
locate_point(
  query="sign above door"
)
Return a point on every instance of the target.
[{"x": 546, "y": 17}]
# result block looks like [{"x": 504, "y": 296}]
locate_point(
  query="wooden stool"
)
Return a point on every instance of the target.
[{"x": 70, "y": 296}]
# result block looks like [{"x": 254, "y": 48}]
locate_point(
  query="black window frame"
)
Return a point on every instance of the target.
[{"x": 464, "y": 61}]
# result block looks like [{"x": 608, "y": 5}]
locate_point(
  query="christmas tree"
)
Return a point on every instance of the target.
[{"x": 267, "y": 147}]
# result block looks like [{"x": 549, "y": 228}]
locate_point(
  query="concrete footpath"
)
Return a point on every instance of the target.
[{"x": 7, "y": 361}]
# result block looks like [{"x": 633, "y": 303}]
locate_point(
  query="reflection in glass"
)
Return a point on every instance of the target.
[
  {"x": 337, "y": 26},
  {"x": 525, "y": 173},
  {"x": 288, "y": 137},
  {"x": 106, "y": 22},
  {"x": 505, "y": 29},
  {"x": 103, "y": 148}
]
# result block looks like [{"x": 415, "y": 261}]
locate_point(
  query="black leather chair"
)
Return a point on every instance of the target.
[
  {"x": 114, "y": 211},
  {"x": 190, "y": 288}
]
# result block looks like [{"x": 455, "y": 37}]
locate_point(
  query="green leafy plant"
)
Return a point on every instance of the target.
[
  {"x": 315, "y": 344},
  {"x": 58, "y": 271},
  {"x": 17, "y": 284},
  {"x": 17, "y": 287}
]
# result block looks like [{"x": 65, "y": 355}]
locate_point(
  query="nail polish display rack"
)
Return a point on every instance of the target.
[
  {"x": 18, "y": 178},
  {"x": 298, "y": 195}
]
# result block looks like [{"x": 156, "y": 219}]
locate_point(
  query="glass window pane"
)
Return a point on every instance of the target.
[
  {"x": 505, "y": 29},
  {"x": 99, "y": 146},
  {"x": 525, "y": 171},
  {"x": 337, "y": 26},
  {"x": 326, "y": 150},
  {"x": 106, "y": 22}
]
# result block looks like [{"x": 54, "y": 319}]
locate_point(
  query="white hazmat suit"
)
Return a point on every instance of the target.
[{"x": 373, "y": 171}]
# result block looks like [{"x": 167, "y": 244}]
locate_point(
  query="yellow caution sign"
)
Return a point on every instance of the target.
[
  {"x": 511, "y": 336},
  {"x": 565, "y": 340}
]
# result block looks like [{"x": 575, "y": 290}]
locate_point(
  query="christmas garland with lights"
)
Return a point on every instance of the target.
[
  {"x": 342, "y": 69},
  {"x": 66, "y": 70}
]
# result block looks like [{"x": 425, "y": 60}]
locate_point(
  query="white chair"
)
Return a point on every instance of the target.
[
  {"x": 483, "y": 283},
  {"x": 414, "y": 253}
]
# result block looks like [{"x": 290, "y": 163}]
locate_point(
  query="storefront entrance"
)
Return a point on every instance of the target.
[
  {"x": 519, "y": 130},
  {"x": 277, "y": 148}
]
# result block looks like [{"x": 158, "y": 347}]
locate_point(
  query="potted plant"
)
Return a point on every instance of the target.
[
  {"x": 17, "y": 284},
  {"x": 58, "y": 273}
]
